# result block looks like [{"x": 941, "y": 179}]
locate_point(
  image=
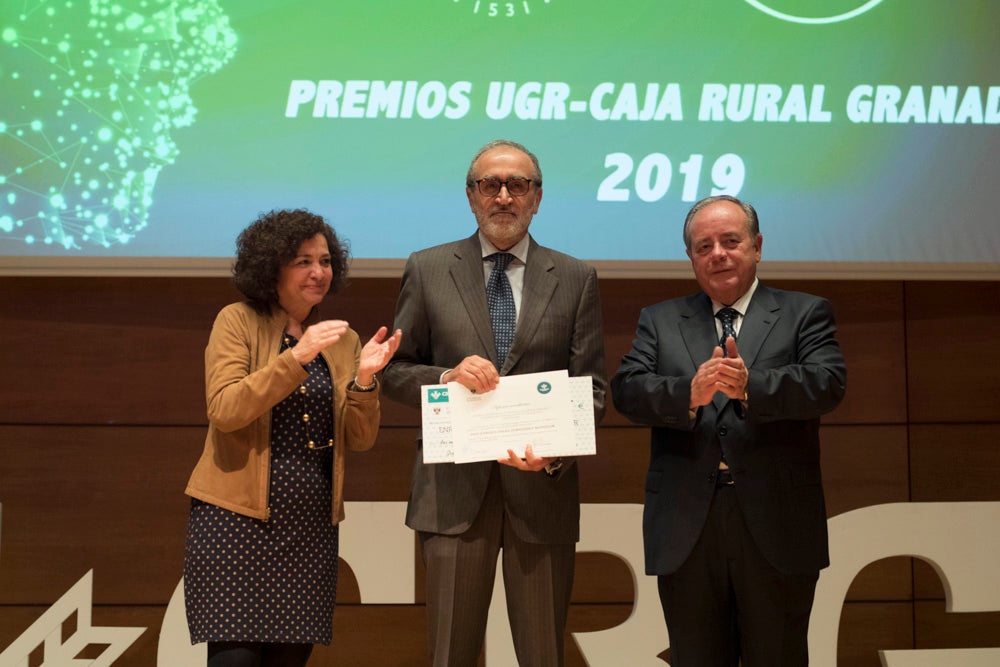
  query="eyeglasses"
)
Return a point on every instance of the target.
[{"x": 516, "y": 187}]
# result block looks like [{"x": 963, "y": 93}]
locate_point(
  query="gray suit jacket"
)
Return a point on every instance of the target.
[
  {"x": 797, "y": 374},
  {"x": 444, "y": 316}
]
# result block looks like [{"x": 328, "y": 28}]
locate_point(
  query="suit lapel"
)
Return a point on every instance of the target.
[
  {"x": 467, "y": 272},
  {"x": 762, "y": 315},
  {"x": 540, "y": 283},
  {"x": 698, "y": 329}
]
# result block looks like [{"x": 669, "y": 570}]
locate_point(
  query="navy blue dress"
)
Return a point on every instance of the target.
[{"x": 275, "y": 580}]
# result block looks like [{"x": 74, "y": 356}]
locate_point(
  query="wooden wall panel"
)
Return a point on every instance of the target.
[
  {"x": 868, "y": 627},
  {"x": 621, "y": 303},
  {"x": 937, "y": 629},
  {"x": 617, "y": 474},
  {"x": 98, "y": 437},
  {"x": 103, "y": 498},
  {"x": 360, "y": 632},
  {"x": 141, "y": 341},
  {"x": 359, "y": 636},
  {"x": 131, "y": 350},
  {"x": 116, "y": 351},
  {"x": 955, "y": 462},
  {"x": 889, "y": 579},
  {"x": 383, "y": 472},
  {"x": 951, "y": 463},
  {"x": 868, "y": 314},
  {"x": 864, "y": 465},
  {"x": 951, "y": 331}
]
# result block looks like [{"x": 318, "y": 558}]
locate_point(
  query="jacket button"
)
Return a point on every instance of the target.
[{"x": 722, "y": 430}]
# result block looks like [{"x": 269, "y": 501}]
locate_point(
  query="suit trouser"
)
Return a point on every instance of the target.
[
  {"x": 727, "y": 603},
  {"x": 538, "y": 582}
]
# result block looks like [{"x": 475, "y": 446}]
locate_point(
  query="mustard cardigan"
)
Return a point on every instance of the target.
[{"x": 244, "y": 378}]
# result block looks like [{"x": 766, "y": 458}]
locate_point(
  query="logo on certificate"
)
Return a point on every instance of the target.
[
  {"x": 437, "y": 395},
  {"x": 544, "y": 387}
]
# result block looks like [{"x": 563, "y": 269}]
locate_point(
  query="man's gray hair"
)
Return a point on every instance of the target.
[
  {"x": 753, "y": 225},
  {"x": 470, "y": 177}
]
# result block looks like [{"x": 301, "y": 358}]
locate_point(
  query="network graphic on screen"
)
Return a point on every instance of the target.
[{"x": 98, "y": 89}]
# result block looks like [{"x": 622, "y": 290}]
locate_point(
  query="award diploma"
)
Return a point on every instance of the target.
[{"x": 550, "y": 411}]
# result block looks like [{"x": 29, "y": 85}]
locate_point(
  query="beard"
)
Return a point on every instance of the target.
[{"x": 503, "y": 231}]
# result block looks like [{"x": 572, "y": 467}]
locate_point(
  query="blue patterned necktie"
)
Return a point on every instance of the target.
[
  {"x": 501, "y": 301},
  {"x": 728, "y": 317}
]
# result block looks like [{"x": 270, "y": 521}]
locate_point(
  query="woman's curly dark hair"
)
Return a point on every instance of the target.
[{"x": 272, "y": 241}]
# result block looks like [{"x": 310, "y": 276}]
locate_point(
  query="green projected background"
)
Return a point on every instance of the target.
[{"x": 864, "y": 131}]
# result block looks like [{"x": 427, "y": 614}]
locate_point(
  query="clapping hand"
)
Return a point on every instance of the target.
[
  {"x": 316, "y": 337},
  {"x": 727, "y": 374},
  {"x": 376, "y": 354}
]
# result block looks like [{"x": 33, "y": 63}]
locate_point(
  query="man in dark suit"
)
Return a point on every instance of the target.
[
  {"x": 734, "y": 524},
  {"x": 528, "y": 507}
]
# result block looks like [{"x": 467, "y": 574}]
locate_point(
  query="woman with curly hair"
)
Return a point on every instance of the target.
[{"x": 288, "y": 392}]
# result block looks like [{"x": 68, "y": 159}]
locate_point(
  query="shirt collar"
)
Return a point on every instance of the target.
[
  {"x": 519, "y": 249},
  {"x": 741, "y": 304}
]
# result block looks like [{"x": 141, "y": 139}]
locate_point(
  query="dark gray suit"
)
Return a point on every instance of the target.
[
  {"x": 796, "y": 374},
  {"x": 443, "y": 312}
]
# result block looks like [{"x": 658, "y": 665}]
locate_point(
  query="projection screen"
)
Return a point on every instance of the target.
[{"x": 141, "y": 136}]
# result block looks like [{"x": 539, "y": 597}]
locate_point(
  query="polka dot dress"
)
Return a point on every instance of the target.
[{"x": 275, "y": 580}]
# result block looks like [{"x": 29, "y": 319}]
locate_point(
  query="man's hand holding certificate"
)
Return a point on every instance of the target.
[{"x": 550, "y": 411}]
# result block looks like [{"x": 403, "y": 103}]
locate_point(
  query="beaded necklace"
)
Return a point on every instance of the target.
[{"x": 302, "y": 393}]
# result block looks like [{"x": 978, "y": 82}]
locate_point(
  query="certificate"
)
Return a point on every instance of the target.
[
  {"x": 435, "y": 416},
  {"x": 581, "y": 393},
  {"x": 551, "y": 411}
]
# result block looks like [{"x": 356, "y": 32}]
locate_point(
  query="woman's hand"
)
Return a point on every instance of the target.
[
  {"x": 316, "y": 337},
  {"x": 376, "y": 354}
]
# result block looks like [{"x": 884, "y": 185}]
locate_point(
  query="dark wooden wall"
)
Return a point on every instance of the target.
[{"x": 102, "y": 418}]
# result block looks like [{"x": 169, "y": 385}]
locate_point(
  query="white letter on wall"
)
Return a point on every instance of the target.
[{"x": 959, "y": 540}]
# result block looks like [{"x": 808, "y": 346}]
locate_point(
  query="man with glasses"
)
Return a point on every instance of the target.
[{"x": 457, "y": 301}]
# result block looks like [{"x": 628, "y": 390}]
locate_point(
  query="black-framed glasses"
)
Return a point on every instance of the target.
[{"x": 516, "y": 187}]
